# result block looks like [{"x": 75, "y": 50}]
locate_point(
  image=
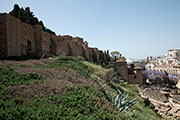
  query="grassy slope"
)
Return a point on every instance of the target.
[
  {"x": 141, "y": 112},
  {"x": 78, "y": 103}
]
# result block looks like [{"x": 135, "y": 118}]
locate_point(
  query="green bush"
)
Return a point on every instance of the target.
[
  {"x": 79, "y": 103},
  {"x": 9, "y": 77},
  {"x": 147, "y": 102}
]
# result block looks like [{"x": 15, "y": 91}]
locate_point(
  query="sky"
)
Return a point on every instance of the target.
[{"x": 136, "y": 28}]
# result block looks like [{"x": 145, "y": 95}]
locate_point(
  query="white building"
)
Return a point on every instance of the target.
[
  {"x": 173, "y": 57},
  {"x": 150, "y": 66}
]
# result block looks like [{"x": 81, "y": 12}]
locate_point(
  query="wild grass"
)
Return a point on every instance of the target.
[
  {"x": 140, "y": 110},
  {"x": 69, "y": 62},
  {"x": 78, "y": 103},
  {"x": 96, "y": 69},
  {"x": 9, "y": 77}
]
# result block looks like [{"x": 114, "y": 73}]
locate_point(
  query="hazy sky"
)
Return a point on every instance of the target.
[{"x": 136, "y": 28}]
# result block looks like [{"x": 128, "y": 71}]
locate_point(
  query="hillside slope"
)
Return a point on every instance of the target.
[{"x": 64, "y": 88}]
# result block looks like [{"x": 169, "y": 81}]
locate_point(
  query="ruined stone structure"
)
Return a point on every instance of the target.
[
  {"x": 136, "y": 77},
  {"x": 21, "y": 39},
  {"x": 165, "y": 100},
  {"x": 121, "y": 67},
  {"x": 133, "y": 77}
]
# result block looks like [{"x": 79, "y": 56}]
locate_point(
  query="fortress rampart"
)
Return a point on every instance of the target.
[{"x": 20, "y": 39}]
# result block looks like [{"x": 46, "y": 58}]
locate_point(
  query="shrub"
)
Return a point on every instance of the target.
[
  {"x": 147, "y": 102},
  {"x": 78, "y": 103},
  {"x": 9, "y": 77}
]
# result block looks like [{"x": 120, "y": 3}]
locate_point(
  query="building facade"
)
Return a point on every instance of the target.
[{"x": 173, "y": 70}]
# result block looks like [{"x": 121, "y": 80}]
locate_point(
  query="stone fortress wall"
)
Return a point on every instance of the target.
[{"x": 21, "y": 39}]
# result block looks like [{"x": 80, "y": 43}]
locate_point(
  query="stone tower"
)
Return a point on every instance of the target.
[{"x": 121, "y": 67}]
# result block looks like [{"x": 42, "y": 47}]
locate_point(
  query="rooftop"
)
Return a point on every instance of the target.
[
  {"x": 161, "y": 66},
  {"x": 138, "y": 67}
]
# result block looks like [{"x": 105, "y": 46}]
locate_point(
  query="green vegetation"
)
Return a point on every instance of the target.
[
  {"x": 9, "y": 77},
  {"x": 116, "y": 54},
  {"x": 78, "y": 103},
  {"x": 106, "y": 60},
  {"x": 121, "y": 102},
  {"x": 147, "y": 102},
  {"x": 9, "y": 107},
  {"x": 69, "y": 62},
  {"x": 111, "y": 82},
  {"x": 95, "y": 70},
  {"x": 25, "y": 15},
  {"x": 141, "y": 111},
  {"x": 20, "y": 65}
]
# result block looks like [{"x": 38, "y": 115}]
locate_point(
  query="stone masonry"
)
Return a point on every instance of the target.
[
  {"x": 135, "y": 77},
  {"x": 21, "y": 39}
]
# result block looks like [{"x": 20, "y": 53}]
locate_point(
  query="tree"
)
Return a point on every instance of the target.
[
  {"x": 86, "y": 42},
  {"x": 108, "y": 56},
  {"x": 27, "y": 9},
  {"x": 116, "y": 54},
  {"x": 106, "y": 59},
  {"x": 15, "y": 11},
  {"x": 132, "y": 66},
  {"x": 41, "y": 23},
  {"x": 25, "y": 15},
  {"x": 147, "y": 102}
]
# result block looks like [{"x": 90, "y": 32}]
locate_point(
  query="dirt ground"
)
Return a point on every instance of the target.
[
  {"x": 57, "y": 79},
  {"x": 26, "y": 62}
]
